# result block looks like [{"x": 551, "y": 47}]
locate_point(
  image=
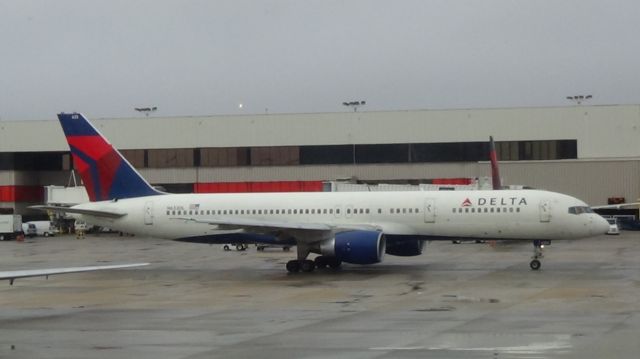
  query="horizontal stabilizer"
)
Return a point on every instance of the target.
[{"x": 90, "y": 212}]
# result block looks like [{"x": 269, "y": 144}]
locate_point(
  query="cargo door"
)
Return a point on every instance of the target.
[
  {"x": 429, "y": 210},
  {"x": 545, "y": 211},
  {"x": 148, "y": 213}
]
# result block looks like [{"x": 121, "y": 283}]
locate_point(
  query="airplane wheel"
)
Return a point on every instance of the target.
[
  {"x": 321, "y": 262},
  {"x": 226, "y": 248},
  {"x": 334, "y": 263},
  {"x": 535, "y": 264},
  {"x": 293, "y": 266},
  {"x": 308, "y": 266},
  {"x": 285, "y": 249},
  {"x": 46, "y": 234}
]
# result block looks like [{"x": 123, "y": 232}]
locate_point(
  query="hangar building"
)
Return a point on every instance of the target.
[{"x": 591, "y": 152}]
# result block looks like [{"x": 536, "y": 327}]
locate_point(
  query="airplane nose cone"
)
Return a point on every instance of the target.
[{"x": 601, "y": 226}]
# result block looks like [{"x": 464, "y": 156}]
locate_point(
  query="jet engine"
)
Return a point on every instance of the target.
[
  {"x": 355, "y": 247},
  {"x": 405, "y": 247}
]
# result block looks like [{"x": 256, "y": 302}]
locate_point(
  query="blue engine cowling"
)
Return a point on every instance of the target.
[
  {"x": 356, "y": 247},
  {"x": 405, "y": 247}
]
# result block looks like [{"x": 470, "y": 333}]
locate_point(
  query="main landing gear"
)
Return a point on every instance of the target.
[
  {"x": 538, "y": 246},
  {"x": 307, "y": 265},
  {"x": 302, "y": 264}
]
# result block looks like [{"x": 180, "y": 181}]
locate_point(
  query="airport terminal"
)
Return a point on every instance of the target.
[
  {"x": 590, "y": 152},
  {"x": 196, "y": 300}
]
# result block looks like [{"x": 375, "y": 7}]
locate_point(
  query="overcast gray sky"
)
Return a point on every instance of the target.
[{"x": 105, "y": 57}]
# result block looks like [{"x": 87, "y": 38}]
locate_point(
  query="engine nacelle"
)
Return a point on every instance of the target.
[
  {"x": 356, "y": 247},
  {"x": 405, "y": 247}
]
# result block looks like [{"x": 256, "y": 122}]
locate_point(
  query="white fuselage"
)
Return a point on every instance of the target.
[{"x": 520, "y": 214}]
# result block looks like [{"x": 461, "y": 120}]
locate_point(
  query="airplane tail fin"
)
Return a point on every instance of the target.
[
  {"x": 495, "y": 171},
  {"x": 105, "y": 172}
]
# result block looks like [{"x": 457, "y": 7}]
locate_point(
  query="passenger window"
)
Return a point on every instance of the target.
[
  {"x": 379, "y": 210},
  {"x": 417, "y": 210},
  {"x": 391, "y": 210},
  {"x": 330, "y": 210},
  {"x": 518, "y": 209},
  {"x": 473, "y": 210},
  {"x": 367, "y": 211},
  {"x": 337, "y": 210},
  {"x": 348, "y": 211}
]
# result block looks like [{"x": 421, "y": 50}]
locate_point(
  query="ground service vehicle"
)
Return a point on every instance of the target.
[{"x": 10, "y": 226}]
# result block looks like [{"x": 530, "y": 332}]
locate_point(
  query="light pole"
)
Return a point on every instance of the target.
[
  {"x": 354, "y": 104},
  {"x": 578, "y": 99}
]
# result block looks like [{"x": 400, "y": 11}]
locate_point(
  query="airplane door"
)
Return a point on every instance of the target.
[
  {"x": 148, "y": 213},
  {"x": 429, "y": 210},
  {"x": 349, "y": 211},
  {"x": 545, "y": 211}
]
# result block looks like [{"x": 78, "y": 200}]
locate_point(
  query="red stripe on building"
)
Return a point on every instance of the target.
[
  {"x": 21, "y": 194},
  {"x": 452, "y": 181},
  {"x": 275, "y": 186}
]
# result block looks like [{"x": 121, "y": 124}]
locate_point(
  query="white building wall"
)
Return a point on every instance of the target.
[{"x": 601, "y": 131}]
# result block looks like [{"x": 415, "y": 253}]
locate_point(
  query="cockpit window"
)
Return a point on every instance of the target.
[{"x": 580, "y": 210}]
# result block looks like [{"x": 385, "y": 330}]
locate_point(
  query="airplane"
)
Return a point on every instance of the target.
[
  {"x": 349, "y": 227},
  {"x": 13, "y": 275}
]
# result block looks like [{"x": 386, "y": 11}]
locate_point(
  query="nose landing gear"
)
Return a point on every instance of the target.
[{"x": 538, "y": 246}]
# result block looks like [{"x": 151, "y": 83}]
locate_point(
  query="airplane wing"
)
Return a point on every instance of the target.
[
  {"x": 91, "y": 212},
  {"x": 13, "y": 275},
  {"x": 255, "y": 225},
  {"x": 617, "y": 206}
]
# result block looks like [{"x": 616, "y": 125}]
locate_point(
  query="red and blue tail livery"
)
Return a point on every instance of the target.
[{"x": 106, "y": 174}]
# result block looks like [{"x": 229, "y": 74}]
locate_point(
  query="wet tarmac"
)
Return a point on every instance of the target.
[{"x": 198, "y": 301}]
